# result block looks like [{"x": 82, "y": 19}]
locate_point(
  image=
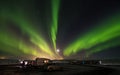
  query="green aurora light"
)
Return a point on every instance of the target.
[
  {"x": 14, "y": 45},
  {"x": 94, "y": 41},
  {"x": 54, "y": 26},
  {"x": 109, "y": 29},
  {"x": 20, "y": 19},
  {"x": 102, "y": 47}
]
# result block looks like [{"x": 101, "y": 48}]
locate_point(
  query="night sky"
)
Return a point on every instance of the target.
[{"x": 57, "y": 29}]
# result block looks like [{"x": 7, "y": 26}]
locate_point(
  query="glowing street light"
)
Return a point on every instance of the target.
[{"x": 58, "y": 50}]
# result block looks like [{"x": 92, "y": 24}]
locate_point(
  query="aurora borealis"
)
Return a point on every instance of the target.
[
  {"x": 37, "y": 28},
  {"x": 54, "y": 26},
  {"x": 102, "y": 34},
  {"x": 26, "y": 27}
]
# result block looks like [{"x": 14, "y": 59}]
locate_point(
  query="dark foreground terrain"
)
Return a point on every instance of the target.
[{"x": 68, "y": 70}]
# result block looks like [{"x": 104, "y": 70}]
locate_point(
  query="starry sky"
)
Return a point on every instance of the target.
[{"x": 58, "y": 29}]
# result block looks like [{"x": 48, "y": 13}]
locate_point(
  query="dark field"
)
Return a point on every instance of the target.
[{"x": 68, "y": 70}]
